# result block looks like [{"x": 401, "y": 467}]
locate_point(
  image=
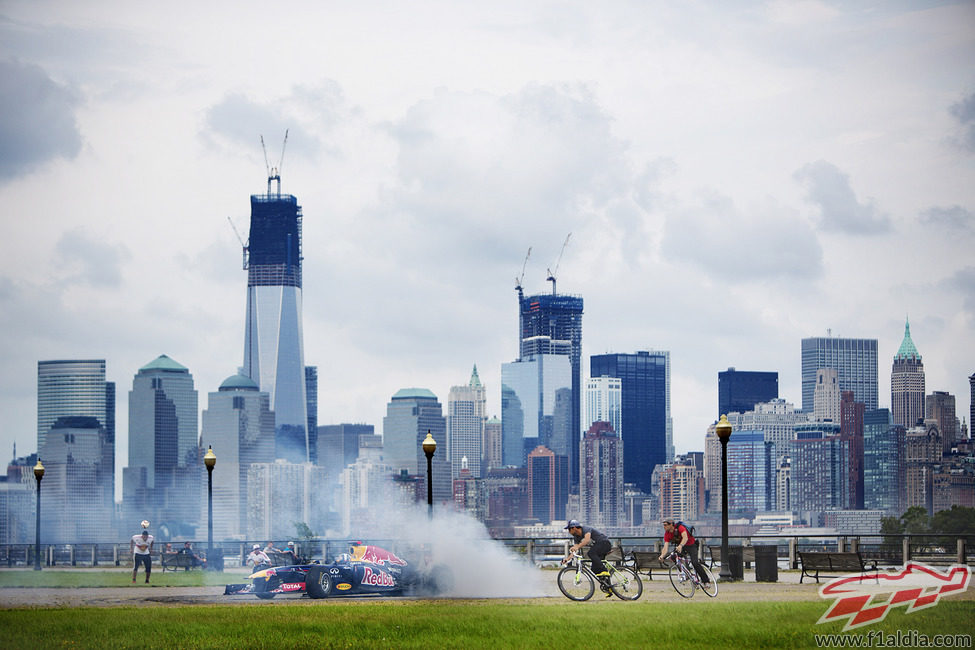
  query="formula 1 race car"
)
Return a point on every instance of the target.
[{"x": 366, "y": 570}]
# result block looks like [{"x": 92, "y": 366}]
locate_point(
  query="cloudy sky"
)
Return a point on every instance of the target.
[{"x": 735, "y": 176}]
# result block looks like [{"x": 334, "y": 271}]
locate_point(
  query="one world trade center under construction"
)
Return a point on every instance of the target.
[{"x": 273, "y": 344}]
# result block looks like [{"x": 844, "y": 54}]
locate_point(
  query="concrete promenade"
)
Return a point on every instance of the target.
[{"x": 158, "y": 594}]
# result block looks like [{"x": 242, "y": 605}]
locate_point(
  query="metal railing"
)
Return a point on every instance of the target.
[{"x": 890, "y": 550}]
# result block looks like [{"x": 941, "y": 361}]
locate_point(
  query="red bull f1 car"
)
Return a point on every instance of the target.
[{"x": 366, "y": 570}]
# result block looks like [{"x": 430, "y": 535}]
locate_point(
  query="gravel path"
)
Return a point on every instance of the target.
[{"x": 656, "y": 590}]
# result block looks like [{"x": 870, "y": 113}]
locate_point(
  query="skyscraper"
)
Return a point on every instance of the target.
[
  {"x": 551, "y": 324},
  {"x": 311, "y": 397},
  {"x": 645, "y": 409},
  {"x": 740, "y": 390},
  {"x": 855, "y": 361},
  {"x": 548, "y": 485},
  {"x": 907, "y": 383},
  {"x": 681, "y": 491},
  {"x": 851, "y": 430},
  {"x": 883, "y": 461},
  {"x": 410, "y": 414},
  {"x": 74, "y": 388},
  {"x": 491, "y": 447},
  {"x": 78, "y": 482},
  {"x": 819, "y": 474},
  {"x": 273, "y": 344},
  {"x": 601, "y": 480},
  {"x": 338, "y": 445},
  {"x": 239, "y": 425},
  {"x": 604, "y": 402},
  {"x": 940, "y": 407},
  {"x": 163, "y": 463},
  {"x": 536, "y": 392},
  {"x": 971, "y": 406},
  {"x": 827, "y": 396},
  {"x": 466, "y": 415},
  {"x": 751, "y": 472}
]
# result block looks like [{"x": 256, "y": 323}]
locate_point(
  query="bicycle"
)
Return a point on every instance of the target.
[
  {"x": 578, "y": 582},
  {"x": 684, "y": 577}
]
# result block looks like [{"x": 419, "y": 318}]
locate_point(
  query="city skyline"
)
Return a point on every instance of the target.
[{"x": 720, "y": 230}]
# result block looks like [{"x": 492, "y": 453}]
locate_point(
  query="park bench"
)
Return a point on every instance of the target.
[
  {"x": 748, "y": 555},
  {"x": 645, "y": 562},
  {"x": 833, "y": 561},
  {"x": 174, "y": 561}
]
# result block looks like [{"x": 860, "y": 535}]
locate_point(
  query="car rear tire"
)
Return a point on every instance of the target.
[{"x": 318, "y": 583}]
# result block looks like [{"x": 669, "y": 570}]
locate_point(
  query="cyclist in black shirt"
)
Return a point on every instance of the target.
[{"x": 586, "y": 535}]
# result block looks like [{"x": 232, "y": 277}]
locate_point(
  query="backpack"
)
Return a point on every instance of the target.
[{"x": 690, "y": 529}]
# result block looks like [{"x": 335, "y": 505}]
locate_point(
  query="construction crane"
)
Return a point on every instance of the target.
[
  {"x": 552, "y": 275},
  {"x": 521, "y": 277},
  {"x": 243, "y": 246},
  {"x": 274, "y": 173}
]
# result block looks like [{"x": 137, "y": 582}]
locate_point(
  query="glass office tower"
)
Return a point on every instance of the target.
[
  {"x": 273, "y": 344},
  {"x": 855, "y": 361},
  {"x": 645, "y": 410}
]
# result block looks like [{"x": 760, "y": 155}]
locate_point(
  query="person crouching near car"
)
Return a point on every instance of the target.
[
  {"x": 289, "y": 554},
  {"x": 259, "y": 558}
]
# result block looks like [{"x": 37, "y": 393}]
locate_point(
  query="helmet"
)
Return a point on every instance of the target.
[{"x": 255, "y": 547}]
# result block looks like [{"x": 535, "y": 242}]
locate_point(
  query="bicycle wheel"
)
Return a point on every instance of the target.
[
  {"x": 576, "y": 584},
  {"x": 711, "y": 589},
  {"x": 681, "y": 581},
  {"x": 626, "y": 584}
]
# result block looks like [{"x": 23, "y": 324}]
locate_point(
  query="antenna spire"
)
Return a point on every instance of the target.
[{"x": 274, "y": 173}]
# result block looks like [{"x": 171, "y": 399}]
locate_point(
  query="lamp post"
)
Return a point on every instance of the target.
[
  {"x": 429, "y": 447},
  {"x": 723, "y": 431},
  {"x": 38, "y": 474},
  {"x": 210, "y": 459}
]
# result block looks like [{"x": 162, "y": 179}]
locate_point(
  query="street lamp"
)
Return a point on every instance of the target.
[
  {"x": 429, "y": 447},
  {"x": 210, "y": 459},
  {"x": 38, "y": 474},
  {"x": 723, "y": 430}
]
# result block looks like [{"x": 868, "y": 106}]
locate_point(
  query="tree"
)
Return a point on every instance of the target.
[
  {"x": 959, "y": 520},
  {"x": 916, "y": 521},
  {"x": 303, "y": 531}
]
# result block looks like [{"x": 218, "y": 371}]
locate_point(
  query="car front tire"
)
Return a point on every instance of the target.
[{"x": 318, "y": 583}]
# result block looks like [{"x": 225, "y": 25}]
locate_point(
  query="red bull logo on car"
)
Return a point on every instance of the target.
[
  {"x": 376, "y": 555},
  {"x": 377, "y": 578},
  {"x": 917, "y": 586}
]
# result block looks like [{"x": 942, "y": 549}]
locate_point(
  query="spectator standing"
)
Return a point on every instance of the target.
[{"x": 141, "y": 548}]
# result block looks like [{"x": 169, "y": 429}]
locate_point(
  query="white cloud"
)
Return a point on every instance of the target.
[{"x": 839, "y": 209}]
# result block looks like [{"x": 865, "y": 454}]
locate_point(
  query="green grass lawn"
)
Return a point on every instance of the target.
[
  {"x": 117, "y": 578},
  {"x": 542, "y": 623}
]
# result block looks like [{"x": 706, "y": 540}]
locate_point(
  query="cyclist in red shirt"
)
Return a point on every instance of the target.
[{"x": 686, "y": 544}]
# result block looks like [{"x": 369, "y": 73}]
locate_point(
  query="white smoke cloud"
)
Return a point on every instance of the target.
[{"x": 481, "y": 567}]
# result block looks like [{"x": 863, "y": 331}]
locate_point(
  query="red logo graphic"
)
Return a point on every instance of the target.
[
  {"x": 376, "y": 555},
  {"x": 918, "y": 586},
  {"x": 380, "y": 579},
  {"x": 292, "y": 586}
]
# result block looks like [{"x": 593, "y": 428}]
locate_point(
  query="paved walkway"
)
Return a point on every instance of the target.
[{"x": 659, "y": 589}]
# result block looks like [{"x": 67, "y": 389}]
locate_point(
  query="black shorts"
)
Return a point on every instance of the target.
[{"x": 145, "y": 560}]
